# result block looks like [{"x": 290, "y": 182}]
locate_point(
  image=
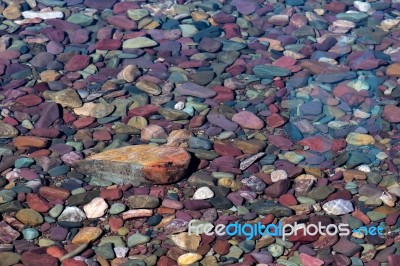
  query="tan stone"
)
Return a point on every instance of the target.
[
  {"x": 29, "y": 217},
  {"x": 137, "y": 213},
  {"x": 185, "y": 241},
  {"x": 351, "y": 174},
  {"x": 393, "y": 70},
  {"x": 87, "y": 235},
  {"x": 359, "y": 139},
  {"x": 188, "y": 259},
  {"x": 67, "y": 97},
  {"x": 139, "y": 164},
  {"x": 12, "y": 11},
  {"x": 7, "y": 131},
  {"x": 130, "y": 73},
  {"x": 49, "y": 75},
  {"x": 29, "y": 141}
]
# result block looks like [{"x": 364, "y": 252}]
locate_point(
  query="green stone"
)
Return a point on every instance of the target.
[
  {"x": 56, "y": 210},
  {"x": 12, "y": 206},
  {"x": 137, "y": 239},
  {"x": 117, "y": 208},
  {"x": 23, "y": 162},
  {"x": 234, "y": 252},
  {"x": 376, "y": 216},
  {"x": 106, "y": 251},
  {"x": 276, "y": 250},
  {"x": 270, "y": 207},
  {"x": 116, "y": 240},
  {"x": 59, "y": 170},
  {"x": 269, "y": 72},
  {"x": 247, "y": 245},
  {"x": 80, "y": 19},
  {"x": 7, "y": 196},
  {"x": 139, "y": 42},
  {"x": 9, "y": 258},
  {"x": 172, "y": 114},
  {"x": 321, "y": 193}
]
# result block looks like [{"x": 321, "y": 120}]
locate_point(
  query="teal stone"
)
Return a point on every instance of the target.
[
  {"x": 59, "y": 170},
  {"x": 22, "y": 189},
  {"x": 30, "y": 233},
  {"x": 154, "y": 220},
  {"x": 117, "y": 208},
  {"x": 189, "y": 110},
  {"x": 247, "y": 245},
  {"x": 233, "y": 46},
  {"x": 137, "y": 239},
  {"x": 106, "y": 120},
  {"x": 52, "y": 3},
  {"x": 356, "y": 262},
  {"x": 354, "y": 222},
  {"x": 23, "y": 162},
  {"x": 376, "y": 216},
  {"x": 353, "y": 17},
  {"x": 49, "y": 219},
  {"x": 178, "y": 77},
  {"x": 135, "y": 262},
  {"x": 269, "y": 72}
]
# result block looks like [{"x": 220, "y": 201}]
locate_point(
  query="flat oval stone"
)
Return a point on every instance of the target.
[{"x": 145, "y": 164}]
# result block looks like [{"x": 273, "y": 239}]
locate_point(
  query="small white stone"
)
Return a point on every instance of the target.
[
  {"x": 381, "y": 155},
  {"x": 72, "y": 214},
  {"x": 364, "y": 168},
  {"x": 203, "y": 193},
  {"x": 43, "y": 15},
  {"x": 362, "y": 6},
  {"x": 121, "y": 252},
  {"x": 388, "y": 199},
  {"x": 338, "y": 207},
  {"x": 278, "y": 175},
  {"x": 96, "y": 208},
  {"x": 179, "y": 105},
  {"x": 361, "y": 114}
]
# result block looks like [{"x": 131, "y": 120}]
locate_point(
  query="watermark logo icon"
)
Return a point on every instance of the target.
[{"x": 278, "y": 230}]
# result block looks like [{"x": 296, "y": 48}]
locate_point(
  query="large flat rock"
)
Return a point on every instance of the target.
[{"x": 138, "y": 165}]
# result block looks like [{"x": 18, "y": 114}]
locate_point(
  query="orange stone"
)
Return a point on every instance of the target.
[
  {"x": 393, "y": 70},
  {"x": 138, "y": 165},
  {"x": 137, "y": 213},
  {"x": 56, "y": 251},
  {"x": 87, "y": 235},
  {"x": 29, "y": 141},
  {"x": 54, "y": 193}
]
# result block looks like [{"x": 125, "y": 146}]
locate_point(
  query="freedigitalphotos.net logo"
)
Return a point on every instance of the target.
[{"x": 278, "y": 230}]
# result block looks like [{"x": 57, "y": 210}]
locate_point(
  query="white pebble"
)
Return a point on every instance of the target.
[
  {"x": 362, "y": 6},
  {"x": 203, "y": 193},
  {"x": 179, "y": 105},
  {"x": 96, "y": 208},
  {"x": 278, "y": 175},
  {"x": 364, "y": 168}
]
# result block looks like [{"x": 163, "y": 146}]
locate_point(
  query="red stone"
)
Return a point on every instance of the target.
[
  {"x": 29, "y": 141},
  {"x": 45, "y": 132},
  {"x": 227, "y": 150},
  {"x": 336, "y": 7},
  {"x": 165, "y": 261},
  {"x": 310, "y": 261},
  {"x": 83, "y": 122},
  {"x": 235, "y": 70},
  {"x": 29, "y": 100},
  {"x": 275, "y": 120},
  {"x": 197, "y": 121},
  {"x": 122, "y": 7},
  {"x": 320, "y": 144},
  {"x": 303, "y": 237},
  {"x": 72, "y": 262},
  {"x": 193, "y": 64},
  {"x": 144, "y": 110},
  {"x": 223, "y": 94},
  {"x": 111, "y": 194},
  {"x": 287, "y": 200},
  {"x": 122, "y": 22},
  {"x": 54, "y": 193},
  {"x": 115, "y": 223},
  {"x": 77, "y": 62},
  {"x": 232, "y": 30},
  {"x": 391, "y": 113},
  {"x": 37, "y": 203},
  {"x": 39, "y": 153},
  {"x": 101, "y": 135},
  {"x": 110, "y": 44},
  {"x": 221, "y": 247},
  {"x": 56, "y": 251},
  {"x": 33, "y": 259},
  {"x": 338, "y": 145}
]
